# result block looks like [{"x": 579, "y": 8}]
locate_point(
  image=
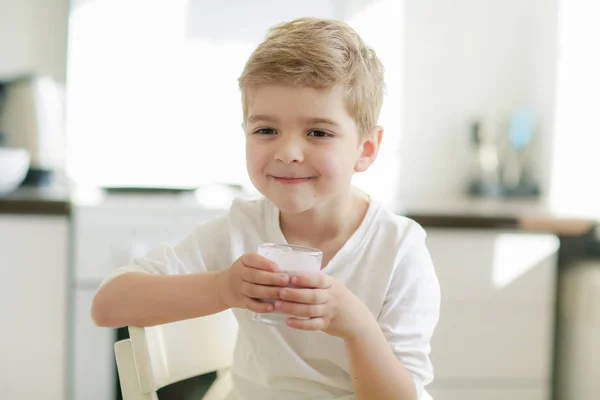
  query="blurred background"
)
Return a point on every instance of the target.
[{"x": 120, "y": 129}]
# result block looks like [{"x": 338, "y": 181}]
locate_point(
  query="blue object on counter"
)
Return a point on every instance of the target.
[{"x": 521, "y": 128}]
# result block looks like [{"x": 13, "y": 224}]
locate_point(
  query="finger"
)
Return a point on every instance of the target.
[
  {"x": 261, "y": 277},
  {"x": 321, "y": 281},
  {"x": 300, "y": 310},
  {"x": 260, "y": 291},
  {"x": 306, "y": 296},
  {"x": 258, "y": 306},
  {"x": 254, "y": 260},
  {"x": 313, "y": 324}
]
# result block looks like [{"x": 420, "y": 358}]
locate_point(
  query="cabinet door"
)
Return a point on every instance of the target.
[
  {"x": 509, "y": 344},
  {"x": 93, "y": 371},
  {"x": 498, "y": 302},
  {"x": 493, "y": 267},
  {"x": 33, "y": 256}
]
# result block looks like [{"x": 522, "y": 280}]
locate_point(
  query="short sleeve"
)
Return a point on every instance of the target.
[
  {"x": 207, "y": 248},
  {"x": 411, "y": 308}
]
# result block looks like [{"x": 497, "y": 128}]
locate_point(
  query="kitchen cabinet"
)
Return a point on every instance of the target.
[
  {"x": 33, "y": 303},
  {"x": 495, "y": 334},
  {"x": 33, "y": 38},
  {"x": 94, "y": 372}
]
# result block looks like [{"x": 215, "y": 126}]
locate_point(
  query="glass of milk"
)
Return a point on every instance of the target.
[{"x": 292, "y": 260}]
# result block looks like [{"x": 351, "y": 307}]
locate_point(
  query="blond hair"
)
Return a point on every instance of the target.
[{"x": 319, "y": 53}]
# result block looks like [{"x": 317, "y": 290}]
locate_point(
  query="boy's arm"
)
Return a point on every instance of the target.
[
  {"x": 168, "y": 284},
  {"x": 376, "y": 372},
  {"x": 397, "y": 349},
  {"x": 142, "y": 299}
]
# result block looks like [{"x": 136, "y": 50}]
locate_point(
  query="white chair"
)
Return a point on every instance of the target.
[{"x": 157, "y": 356}]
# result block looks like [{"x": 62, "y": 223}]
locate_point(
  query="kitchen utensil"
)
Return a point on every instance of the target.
[
  {"x": 520, "y": 135},
  {"x": 14, "y": 163},
  {"x": 32, "y": 118},
  {"x": 484, "y": 140}
]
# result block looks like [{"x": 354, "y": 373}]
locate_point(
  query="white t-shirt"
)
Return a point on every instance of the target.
[{"x": 385, "y": 263}]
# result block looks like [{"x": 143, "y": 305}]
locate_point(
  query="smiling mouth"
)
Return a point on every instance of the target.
[{"x": 290, "y": 181}]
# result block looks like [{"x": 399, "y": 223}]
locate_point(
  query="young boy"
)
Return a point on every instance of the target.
[{"x": 311, "y": 93}]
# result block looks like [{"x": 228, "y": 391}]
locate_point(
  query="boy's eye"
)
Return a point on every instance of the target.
[
  {"x": 265, "y": 131},
  {"x": 319, "y": 134}
]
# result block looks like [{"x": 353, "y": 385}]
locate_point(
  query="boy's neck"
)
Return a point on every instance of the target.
[{"x": 333, "y": 222}]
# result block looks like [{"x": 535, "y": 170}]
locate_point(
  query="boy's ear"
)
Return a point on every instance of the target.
[{"x": 369, "y": 149}]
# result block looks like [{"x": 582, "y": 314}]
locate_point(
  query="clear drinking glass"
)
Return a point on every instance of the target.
[{"x": 293, "y": 260}]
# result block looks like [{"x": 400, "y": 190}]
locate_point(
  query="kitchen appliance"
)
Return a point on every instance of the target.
[
  {"x": 501, "y": 152},
  {"x": 486, "y": 178},
  {"x": 31, "y": 118}
]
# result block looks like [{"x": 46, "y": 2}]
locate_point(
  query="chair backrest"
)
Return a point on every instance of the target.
[{"x": 165, "y": 354}]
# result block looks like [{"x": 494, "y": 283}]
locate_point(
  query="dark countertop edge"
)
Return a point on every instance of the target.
[
  {"x": 52, "y": 200},
  {"x": 35, "y": 207},
  {"x": 464, "y": 221},
  {"x": 564, "y": 228}
]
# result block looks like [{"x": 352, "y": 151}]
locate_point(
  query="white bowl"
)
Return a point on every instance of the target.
[{"x": 14, "y": 164}]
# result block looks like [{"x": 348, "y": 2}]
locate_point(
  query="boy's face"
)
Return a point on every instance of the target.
[{"x": 302, "y": 146}]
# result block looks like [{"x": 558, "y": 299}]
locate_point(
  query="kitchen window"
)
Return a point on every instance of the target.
[
  {"x": 576, "y": 161},
  {"x": 152, "y": 95}
]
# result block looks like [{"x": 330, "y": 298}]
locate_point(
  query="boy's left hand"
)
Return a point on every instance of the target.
[{"x": 332, "y": 307}]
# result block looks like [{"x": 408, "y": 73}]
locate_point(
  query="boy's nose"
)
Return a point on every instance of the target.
[{"x": 289, "y": 150}]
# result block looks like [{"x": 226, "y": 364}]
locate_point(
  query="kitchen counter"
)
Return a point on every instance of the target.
[
  {"x": 531, "y": 215},
  {"x": 53, "y": 200}
]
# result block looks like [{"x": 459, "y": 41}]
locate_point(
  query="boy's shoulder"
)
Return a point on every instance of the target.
[
  {"x": 393, "y": 220},
  {"x": 255, "y": 211},
  {"x": 396, "y": 230},
  {"x": 250, "y": 206}
]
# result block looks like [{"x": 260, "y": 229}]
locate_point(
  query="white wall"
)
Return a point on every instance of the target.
[
  {"x": 242, "y": 20},
  {"x": 465, "y": 58}
]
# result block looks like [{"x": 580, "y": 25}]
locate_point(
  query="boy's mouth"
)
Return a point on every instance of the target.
[{"x": 288, "y": 180}]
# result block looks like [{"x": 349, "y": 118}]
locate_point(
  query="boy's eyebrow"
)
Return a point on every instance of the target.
[
  {"x": 326, "y": 121},
  {"x": 267, "y": 118},
  {"x": 261, "y": 117}
]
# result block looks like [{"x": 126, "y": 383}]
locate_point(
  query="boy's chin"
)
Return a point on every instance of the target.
[{"x": 293, "y": 206}]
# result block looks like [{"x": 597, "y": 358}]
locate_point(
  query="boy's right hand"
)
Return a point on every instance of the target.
[{"x": 250, "y": 278}]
